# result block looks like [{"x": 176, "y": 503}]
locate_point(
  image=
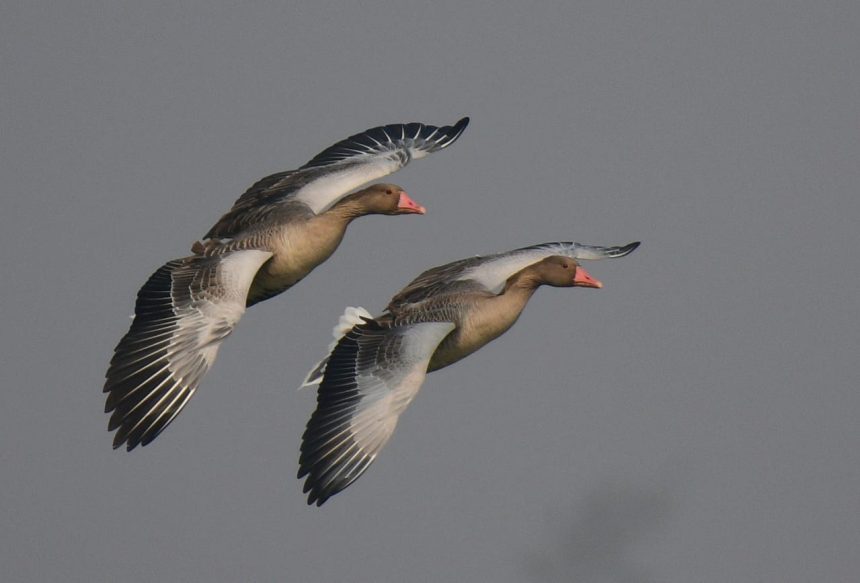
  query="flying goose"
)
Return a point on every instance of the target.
[
  {"x": 377, "y": 365},
  {"x": 276, "y": 233}
]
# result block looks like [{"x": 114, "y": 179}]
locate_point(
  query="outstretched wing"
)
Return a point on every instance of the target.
[
  {"x": 489, "y": 273},
  {"x": 493, "y": 272},
  {"x": 373, "y": 373},
  {"x": 338, "y": 170},
  {"x": 182, "y": 314},
  {"x": 396, "y": 142}
]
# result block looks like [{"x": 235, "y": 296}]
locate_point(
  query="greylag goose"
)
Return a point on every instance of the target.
[
  {"x": 276, "y": 233},
  {"x": 377, "y": 365}
]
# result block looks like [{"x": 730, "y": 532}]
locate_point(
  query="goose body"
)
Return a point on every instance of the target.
[
  {"x": 377, "y": 366},
  {"x": 276, "y": 233}
]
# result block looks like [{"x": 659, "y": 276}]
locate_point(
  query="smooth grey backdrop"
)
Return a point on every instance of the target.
[{"x": 696, "y": 420}]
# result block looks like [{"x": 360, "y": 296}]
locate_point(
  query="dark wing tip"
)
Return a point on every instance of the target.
[
  {"x": 449, "y": 134},
  {"x": 628, "y": 249},
  {"x": 389, "y": 138},
  {"x": 322, "y": 473},
  {"x": 317, "y": 498},
  {"x": 461, "y": 125},
  {"x": 122, "y": 439},
  {"x": 327, "y": 439},
  {"x": 317, "y": 492}
]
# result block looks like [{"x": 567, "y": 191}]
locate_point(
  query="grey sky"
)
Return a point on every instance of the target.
[{"x": 695, "y": 420}]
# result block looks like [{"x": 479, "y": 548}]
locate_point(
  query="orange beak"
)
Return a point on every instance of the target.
[
  {"x": 584, "y": 279},
  {"x": 408, "y": 206}
]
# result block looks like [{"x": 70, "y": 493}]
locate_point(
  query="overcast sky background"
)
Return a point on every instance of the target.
[{"x": 695, "y": 420}]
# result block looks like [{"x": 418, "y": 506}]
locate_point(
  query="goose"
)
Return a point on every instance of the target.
[
  {"x": 376, "y": 365},
  {"x": 274, "y": 235}
]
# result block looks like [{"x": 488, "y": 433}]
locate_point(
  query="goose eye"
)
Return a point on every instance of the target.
[
  {"x": 388, "y": 191},
  {"x": 565, "y": 265}
]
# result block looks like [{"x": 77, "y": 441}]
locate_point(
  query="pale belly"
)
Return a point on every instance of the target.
[
  {"x": 468, "y": 338},
  {"x": 267, "y": 284},
  {"x": 297, "y": 254}
]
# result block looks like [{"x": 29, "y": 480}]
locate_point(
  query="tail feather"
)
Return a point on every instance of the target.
[{"x": 352, "y": 316}]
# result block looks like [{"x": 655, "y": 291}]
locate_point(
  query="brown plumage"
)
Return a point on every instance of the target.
[
  {"x": 275, "y": 234},
  {"x": 377, "y": 367}
]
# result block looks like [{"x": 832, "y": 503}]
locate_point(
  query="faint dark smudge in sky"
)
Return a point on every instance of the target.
[{"x": 596, "y": 540}]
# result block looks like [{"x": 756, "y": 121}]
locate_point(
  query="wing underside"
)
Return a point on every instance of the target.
[{"x": 373, "y": 373}]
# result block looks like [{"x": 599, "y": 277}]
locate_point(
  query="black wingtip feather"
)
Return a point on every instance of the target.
[
  {"x": 324, "y": 476},
  {"x": 460, "y": 127},
  {"x": 142, "y": 394},
  {"x": 388, "y": 138},
  {"x": 629, "y": 248}
]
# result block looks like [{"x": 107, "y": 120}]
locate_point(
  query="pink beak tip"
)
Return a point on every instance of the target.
[
  {"x": 584, "y": 279},
  {"x": 410, "y": 205}
]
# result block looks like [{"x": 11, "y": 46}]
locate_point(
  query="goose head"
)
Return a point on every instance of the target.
[
  {"x": 559, "y": 271},
  {"x": 387, "y": 199}
]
